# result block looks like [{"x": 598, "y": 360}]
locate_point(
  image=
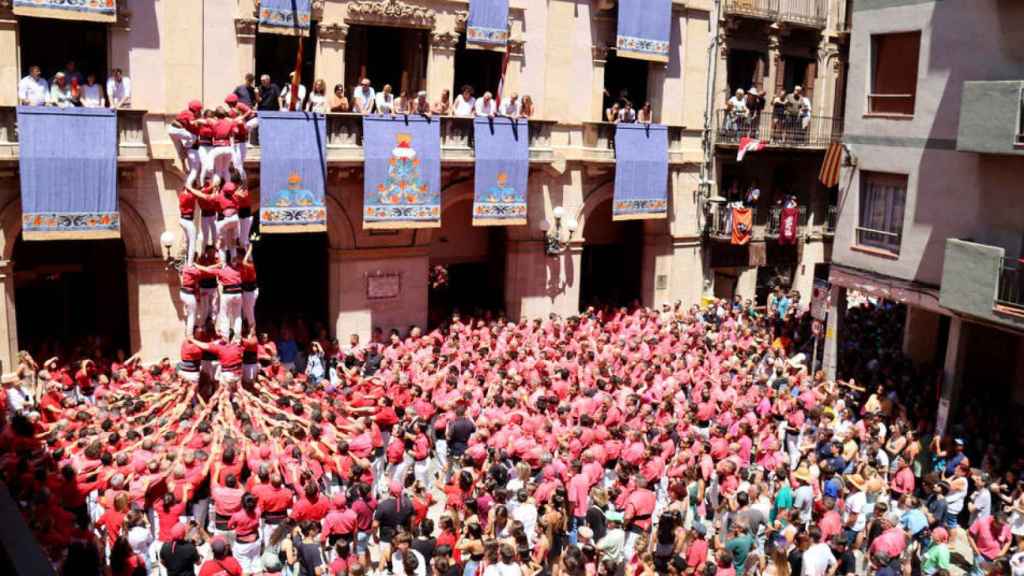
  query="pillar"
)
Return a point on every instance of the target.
[
  {"x": 513, "y": 75},
  {"x": 245, "y": 34},
  {"x": 441, "y": 64},
  {"x": 746, "y": 283},
  {"x": 538, "y": 284},
  {"x": 155, "y": 314},
  {"x": 836, "y": 313},
  {"x": 919, "y": 333},
  {"x": 952, "y": 369},
  {"x": 656, "y": 270},
  {"x": 776, "y": 72},
  {"x": 600, "y": 57},
  {"x": 9, "y": 67},
  {"x": 330, "y": 57},
  {"x": 8, "y": 317},
  {"x": 686, "y": 276}
]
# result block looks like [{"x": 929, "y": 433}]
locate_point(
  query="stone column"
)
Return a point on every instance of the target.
[
  {"x": 9, "y": 70},
  {"x": 600, "y": 56},
  {"x": 8, "y": 317},
  {"x": 155, "y": 314},
  {"x": 776, "y": 66},
  {"x": 245, "y": 34},
  {"x": 330, "y": 57},
  {"x": 537, "y": 284},
  {"x": 836, "y": 311},
  {"x": 656, "y": 270},
  {"x": 441, "y": 63},
  {"x": 515, "y": 69},
  {"x": 952, "y": 368}
]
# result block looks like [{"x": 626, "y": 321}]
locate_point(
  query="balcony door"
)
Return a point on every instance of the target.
[
  {"x": 480, "y": 69},
  {"x": 387, "y": 55},
  {"x": 612, "y": 262},
  {"x": 275, "y": 55},
  {"x": 51, "y": 43}
]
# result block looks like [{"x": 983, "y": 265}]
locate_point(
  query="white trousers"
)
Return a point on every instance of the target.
[
  {"x": 191, "y": 312},
  {"x": 220, "y": 161},
  {"x": 230, "y": 315},
  {"x": 209, "y": 229},
  {"x": 238, "y": 159},
  {"x": 183, "y": 140},
  {"x": 205, "y": 163},
  {"x": 227, "y": 235},
  {"x": 244, "y": 229},
  {"x": 189, "y": 228},
  {"x": 207, "y": 305},
  {"x": 249, "y": 306}
]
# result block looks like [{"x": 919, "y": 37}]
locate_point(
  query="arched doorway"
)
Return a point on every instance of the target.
[
  {"x": 612, "y": 259},
  {"x": 71, "y": 296},
  {"x": 292, "y": 272},
  {"x": 474, "y": 259}
]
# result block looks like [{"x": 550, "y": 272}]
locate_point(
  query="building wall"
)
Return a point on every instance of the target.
[{"x": 950, "y": 194}]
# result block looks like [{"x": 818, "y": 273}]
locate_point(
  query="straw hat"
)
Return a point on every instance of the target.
[
  {"x": 857, "y": 481},
  {"x": 802, "y": 474}
]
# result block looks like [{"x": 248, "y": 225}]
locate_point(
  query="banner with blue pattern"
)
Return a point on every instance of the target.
[
  {"x": 93, "y": 10},
  {"x": 641, "y": 172},
  {"x": 502, "y": 171},
  {"x": 289, "y": 17},
  {"x": 293, "y": 172},
  {"x": 487, "y": 26},
  {"x": 644, "y": 29},
  {"x": 402, "y": 172}
]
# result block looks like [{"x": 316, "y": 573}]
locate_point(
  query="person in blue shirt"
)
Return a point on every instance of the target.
[{"x": 287, "y": 349}]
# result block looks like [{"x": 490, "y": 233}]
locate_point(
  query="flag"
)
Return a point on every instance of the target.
[
  {"x": 742, "y": 225},
  {"x": 501, "y": 81},
  {"x": 789, "y": 220},
  {"x": 829, "y": 175},
  {"x": 748, "y": 145}
]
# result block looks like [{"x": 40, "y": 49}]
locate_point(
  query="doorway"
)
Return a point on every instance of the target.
[
  {"x": 386, "y": 55},
  {"x": 746, "y": 69},
  {"x": 474, "y": 259},
  {"x": 71, "y": 297},
  {"x": 275, "y": 55},
  {"x": 624, "y": 79},
  {"x": 480, "y": 69},
  {"x": 50, "y": 43},
  {"x": 612, "y": 260},
  {"x": 292, "y": 271}
]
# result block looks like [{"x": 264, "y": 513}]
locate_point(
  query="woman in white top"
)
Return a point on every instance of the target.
[
  {"x": 385, "y": 100},
  {"x": 317, "y": 101},
  {"x": 92, "y": 93},
  {"x": 465, "y": 103}
]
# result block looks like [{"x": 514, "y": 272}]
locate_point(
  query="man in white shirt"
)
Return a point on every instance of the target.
[
  {"x": 510, "y": 107},
  {"x": 60, "y": 92},
  {"x": 363, "y": 98},
  {"x": 385, "y": 100},
  {"x": 19, "y": 397},
  {"x": 119, "y": 90},
  {"x": 286, "y": 94},
  {"x": 465, "y": 103},
  {"x": 818, "y": 560},
  {"x": 485, "y": 106},
  {"x": 33, "y": 89},
  {"x": 506, "y": 565},
  {"x": 526, "y": 512}
]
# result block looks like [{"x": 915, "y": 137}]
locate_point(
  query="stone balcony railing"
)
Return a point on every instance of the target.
[
  {"x": 131, "y": 135},
  {"x": 810, "y": 13},
  {"x": 598, "y": 143}
]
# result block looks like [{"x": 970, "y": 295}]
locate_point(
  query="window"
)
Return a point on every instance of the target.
[
  {"x": 798, "y": 71},
  {"x": 480, "y": 69},
  {"x": 625, "y": 79},
  {"x": 894, "y": 73},
  {"x": 51, "y": 44},
  {"x": 746, "y": 69},
  {"x": 882, "y": 200},
  {"x": 386, "y": 55}
]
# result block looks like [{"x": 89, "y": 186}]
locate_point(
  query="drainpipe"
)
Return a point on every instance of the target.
[{"x": 704, "y": 187}]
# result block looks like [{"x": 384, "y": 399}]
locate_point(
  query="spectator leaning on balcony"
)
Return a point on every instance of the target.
[
  {"x": 465, "y": 103},
  {"x": 526, "y": 108},
  {"x": 385, "y": 100},
  {"x": 443, "y": 106},
  {"x": 60, "y": 92},
  {"x": 268, "y": 95},
  {"x": 92, "y": 93},
  {"x": 71, "y": 73},
  {"x": 627, "y": 114},
  {"x": 317, "y": 101},
  {"x": 646, "y": 114},
  {"x": 339, "y": 103},
  {"x": 612, "y": 114},
  {"x": 421, "y": 105},
  {"x": 486, "y": 106},
  {"x": 286, "y": 94},
  {"x": 119, "y": 90},
  {"x": 755, "y": 104},
  {"x": 246, "y": 91},
  {"x": 363, "y": 98},
  {"x": 510, "y": 107},
  {"x": 794, "y": 102},
  {"x": 736, "y": 109},
  {"x": 33, "y": 89}
]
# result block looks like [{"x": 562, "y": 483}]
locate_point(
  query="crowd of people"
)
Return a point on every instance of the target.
[
  {"x": 69, "y": 87},
  {"x": 617, "y": 443},
  {"x": 365, "y": 99},
  {"x": 790, "y": 116}
]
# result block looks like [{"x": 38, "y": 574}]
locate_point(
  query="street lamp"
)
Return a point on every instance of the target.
[
  {"x": 167, "y": 242},
  {"x": 558, "y": 234}
]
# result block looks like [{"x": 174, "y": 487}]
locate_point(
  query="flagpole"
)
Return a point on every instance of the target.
[{"x": 297, "y": 73}]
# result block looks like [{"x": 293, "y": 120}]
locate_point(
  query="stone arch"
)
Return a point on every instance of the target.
[
  {"x": 341, "y": 232},
  {"x": 597, "y": 196},
  {"x": 451, "y": 194},
  {"x": 138, "y": 242}
]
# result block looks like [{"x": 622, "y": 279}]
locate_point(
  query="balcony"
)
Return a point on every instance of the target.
[
  {"x": 719, "y": 223},
  {"x": 345, "y": 141},
  {"x": 774, "y": 225},
  {"x": 599, "y": 143},
  {"x": 131, "y": 135},
  {"x": 992, "y": 118},
  {"x": 981, "y": 281},
  {"x": 809, "y": 13},
  {"x": 816, "y": 133},
  {"x": 830, "y": 221}
]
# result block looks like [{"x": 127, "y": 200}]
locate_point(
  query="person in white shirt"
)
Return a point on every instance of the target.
[
  {"x": 318, "y": 98},
  {"x": 286, "y": 94},
  {"x": 506, "y": 565},
  {"x": 486, "y": 106},
  {"x": 60, "y": 92},
  {"x": 737, "y": 109},
  {"x": 385, "y": 100},
  {"x": 33, "y": 89},
  {"x": 465, "y": 103},
  {"x": 363, "y": 98},
  {"x": 119, "y": 90},
  {"x": 818, "y": 560},
  {"x": 19, "y": 397},
  {"x": 526, "y": 512},
  {"x": 510, "y": 107},
  {"x": 92, "y": 93}
]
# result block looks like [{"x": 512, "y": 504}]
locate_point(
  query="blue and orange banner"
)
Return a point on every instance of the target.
[
  {"x": 641, "y": 172},
  {"x": 502, "y": 171},
  {"x": 487, "y": 25},
  {"x": 293, "y": 172},
  {"x": 402, "y": 172},
  {"x": 644, "y": 30},
  {"x": 289, "y": 17},
  {"x": 68, "y": 173},
  {"x": 94, "y": 10}
]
